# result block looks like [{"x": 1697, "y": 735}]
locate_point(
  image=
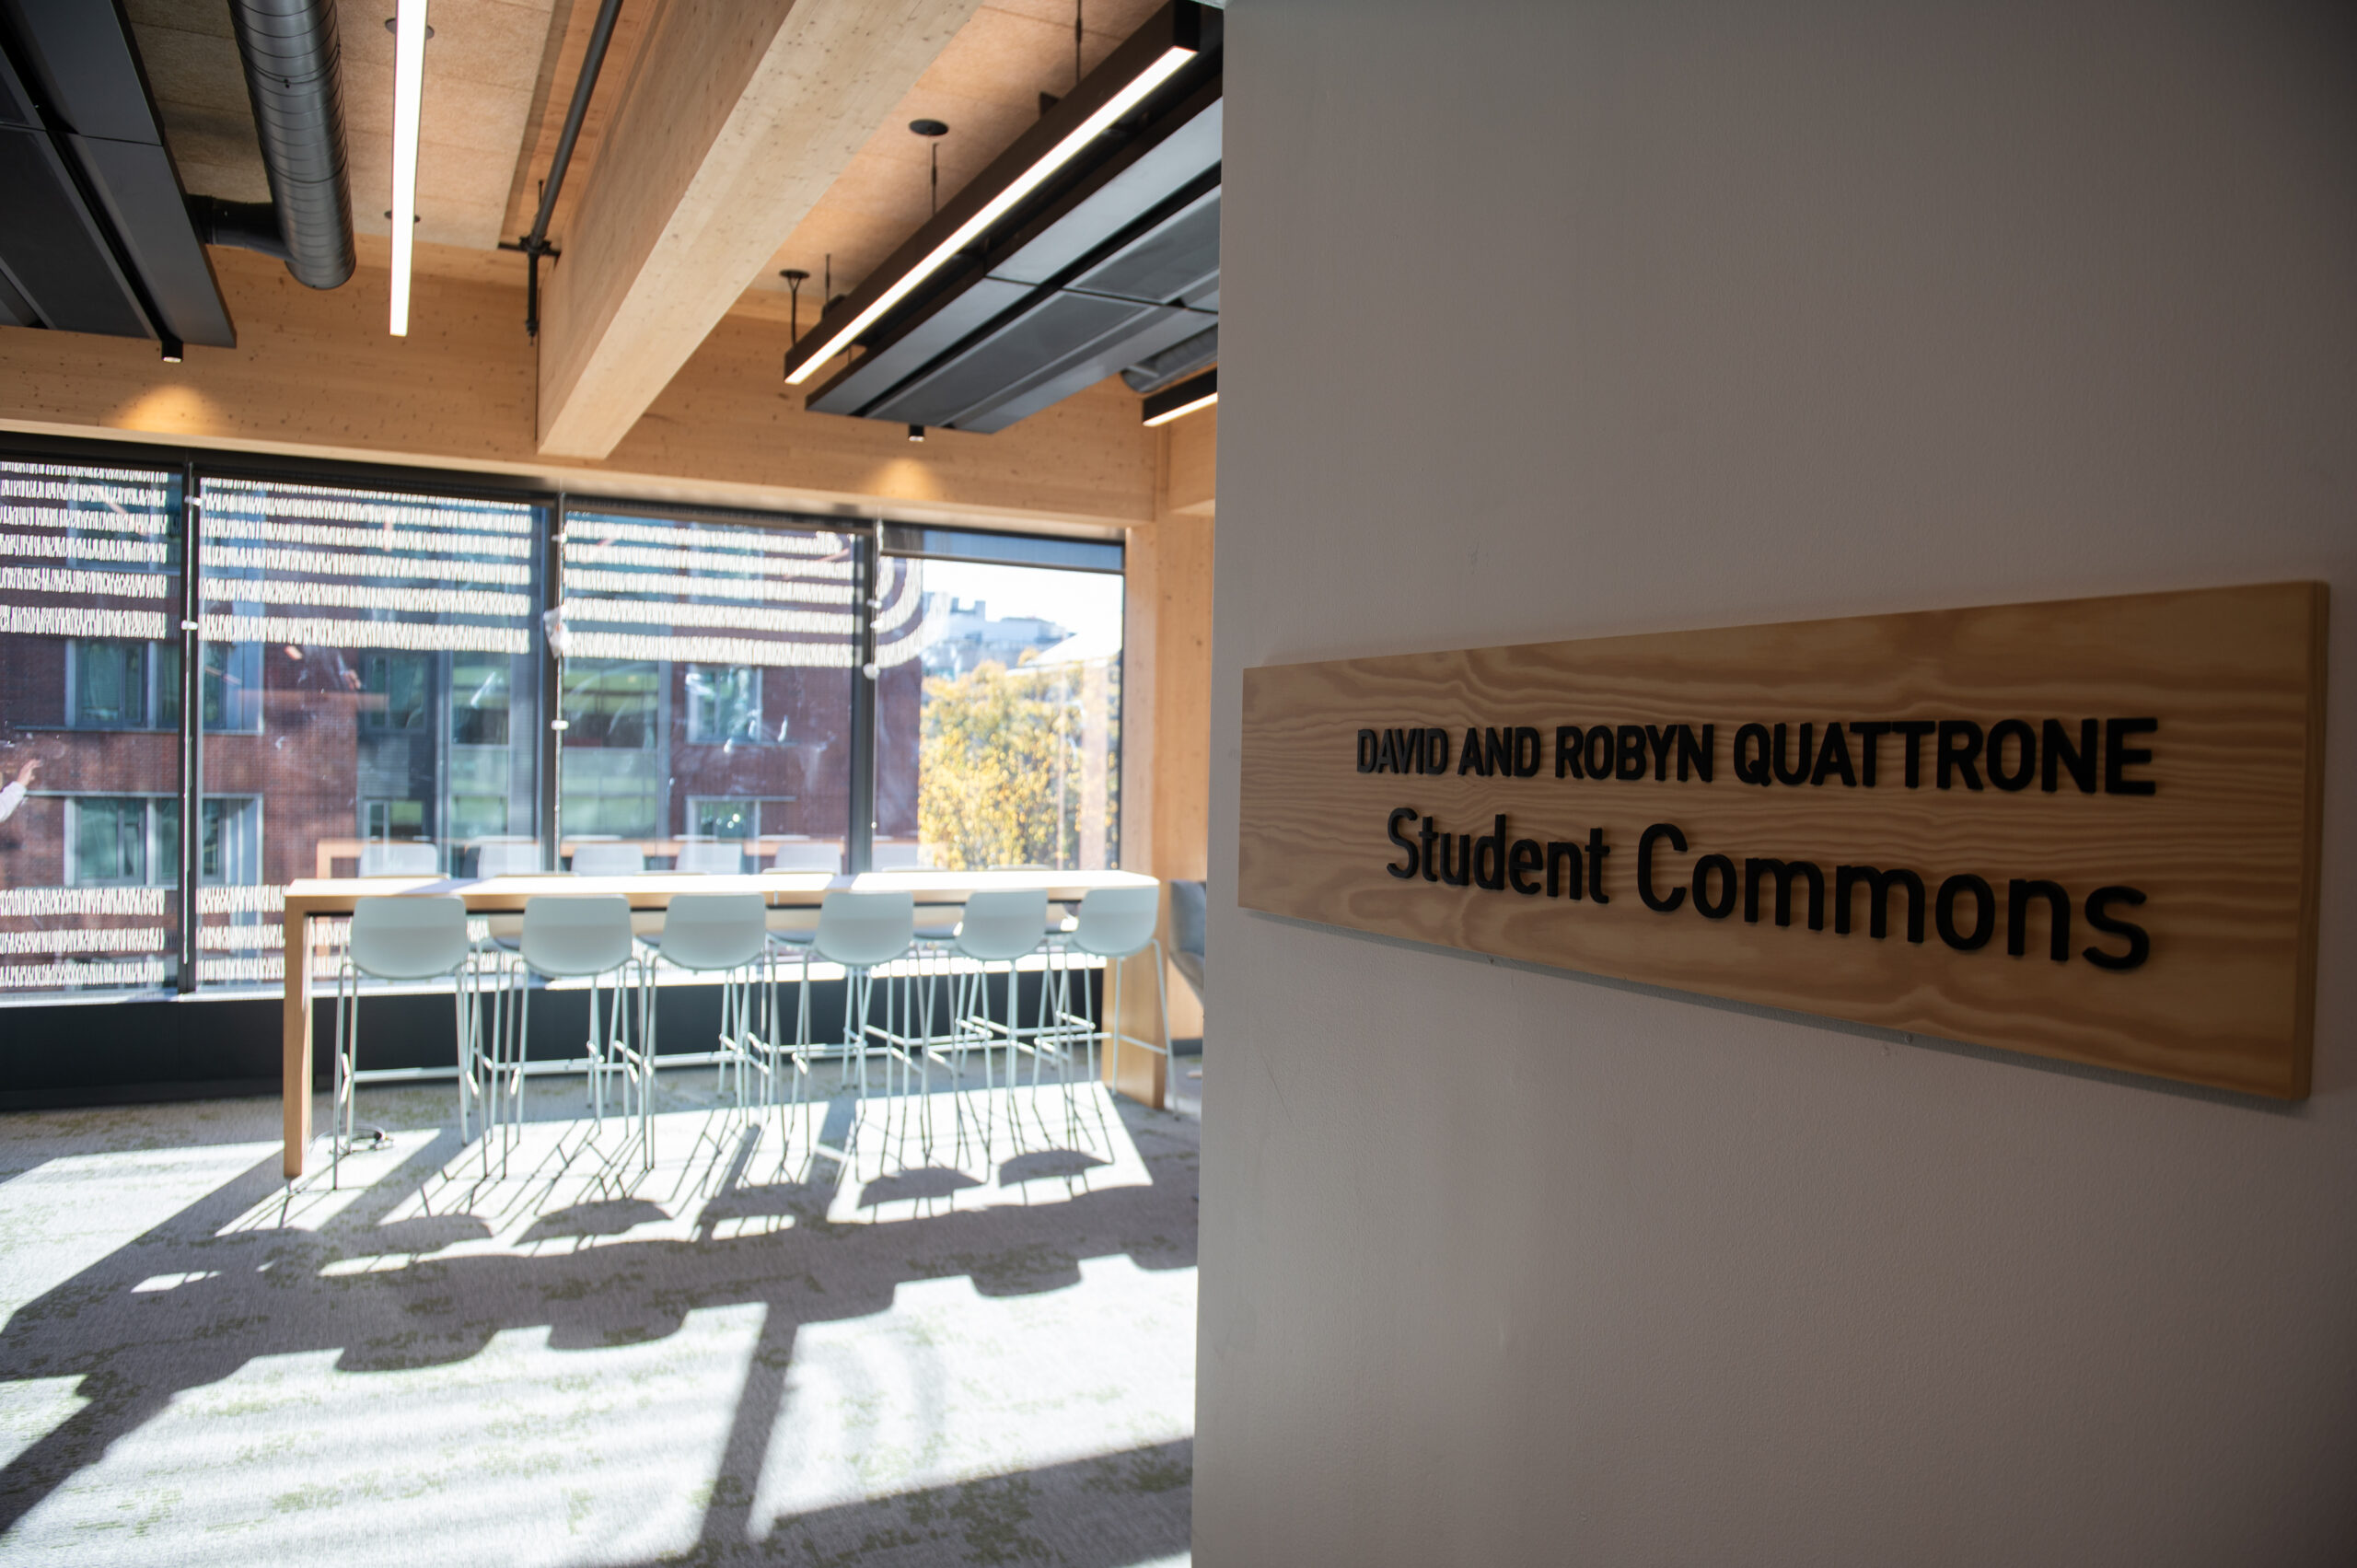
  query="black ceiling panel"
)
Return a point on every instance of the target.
[
  {"x": 1118, "y": 265},
  {"x": 96, "y": 236}
]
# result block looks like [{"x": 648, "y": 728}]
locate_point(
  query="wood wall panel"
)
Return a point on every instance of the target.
[
  {"x": 2224, "y": 849},
  {"x": 315, "y": 375}
]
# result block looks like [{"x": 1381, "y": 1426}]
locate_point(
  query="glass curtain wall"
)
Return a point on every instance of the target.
[
  {"x": 90, "y": 728},
  {"x": 998, "y": 728},
  {"x": 372, "y": 667},
  {"x": 706, "y": 690},
  {"x": 369, "y": 679}
]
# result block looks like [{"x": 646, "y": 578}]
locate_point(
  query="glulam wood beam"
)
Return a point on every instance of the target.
[{"x": 740, "y": 114}]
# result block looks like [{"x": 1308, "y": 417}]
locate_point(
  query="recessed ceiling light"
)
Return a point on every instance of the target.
[{"x": 1183, "y": 398}]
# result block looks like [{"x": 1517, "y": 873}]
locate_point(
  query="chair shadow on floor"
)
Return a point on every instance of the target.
[{"x": 422, "y": 1261}]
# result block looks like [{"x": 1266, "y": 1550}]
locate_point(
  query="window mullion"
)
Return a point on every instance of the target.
[{"x": 192, "y": 731}]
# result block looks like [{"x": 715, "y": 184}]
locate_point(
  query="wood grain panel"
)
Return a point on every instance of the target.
[
  {"x": 315, "y": 375},
  {"x": 2224, "y": 849}
]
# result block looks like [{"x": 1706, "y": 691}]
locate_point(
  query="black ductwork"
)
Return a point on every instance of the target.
[
  {"x": 292, "y": 74},
  {"x": 249, "y": 225}
]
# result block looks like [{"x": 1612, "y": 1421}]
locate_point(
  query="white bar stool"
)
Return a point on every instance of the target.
[
  {"x": 414, "y": 858},
  {"x": 607, "y": 860},
  {"x": 863, "y": 932},
  {"x": 727, "y": 934},
  {"x": 707, "y": 857},
  {"x": 1114, "y": 924},
  {"x": 583, "y": 937},
  {"x": 1001, "y": 926},
  {"x": 422, "y": 936}
]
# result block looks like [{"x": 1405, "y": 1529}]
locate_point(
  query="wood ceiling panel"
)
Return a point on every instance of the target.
[
  {"x": 985, "y": 87},
  {"x": 481, "y": 68}
]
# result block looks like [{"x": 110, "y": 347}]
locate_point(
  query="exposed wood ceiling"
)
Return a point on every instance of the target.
[{"x": 500, "y": 76}]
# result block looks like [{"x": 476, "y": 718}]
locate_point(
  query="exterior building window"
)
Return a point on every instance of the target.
[
  {"x": 89, "y": 719},
  {"x": 379, "y": 657},
  {"x": 707, "y": 682},
  {"x": 724, "y": 706},
  {"x": 1003, "y": 746},
  {"x": 116, "y": 684}
]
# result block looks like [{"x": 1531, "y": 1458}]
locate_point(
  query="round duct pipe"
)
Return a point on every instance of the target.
[{"x": 292, "y": 75}]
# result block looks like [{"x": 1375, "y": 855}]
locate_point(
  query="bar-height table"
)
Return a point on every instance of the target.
[{"x": 309, "y": 899}]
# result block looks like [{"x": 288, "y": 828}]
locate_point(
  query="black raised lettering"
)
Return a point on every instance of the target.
[
  {"x": 1489, "y": 858},
  {"x": 1750, "y": 760},
  {"x": 1560, "y": 856},
  {"x": 1468, "y": 757},
  {"x": 1878, "y": 884},
  {"x": 1834, "y": 759},
  {"x": 1456, "y": 870},
  {"x": 1597, "y": 850},
  {"x": 1597, "y": 752},
  {"x": 1405, "y": 842},
  {"x": 1798, "y": 775},
  {"x": 1701, "y": 755},
  {"x": 1631, "y": 763},
  {"x": 1658, "y": 737},
  {"x": 1869, "y": 748},
  {"x": 1959, "y": 744},
  {"x": 1912, "y": 732},
  {"x": 2024, "y": 741},
  {"x": 2117, "y": 758},
  {"x": 2099, "y": 915},
  {"x": 1432, "y": 866},
  {"x": 2058, "y": 752},
  {"x": 1525, "y": 859},
  {"x": 1366, "y": 751},
  {"x": 1526, "y": 752},
  {"x": 1717, "y": 865},
  {"x": 1645, "y": 866},
  {"x": 1386, "y": 752},
  {"x": 1783, "y": 871},
  {"x": 1567, "y": 751},
  {"x": 2018, "y": 893},
  {"x": 1984, "y": 913},
  {"x": 1497, "y": 753}
]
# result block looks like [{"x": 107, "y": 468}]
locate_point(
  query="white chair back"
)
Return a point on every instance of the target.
[
  {"x": 413, "y": 937},
  {"x": 722, "y": 857},
  {"x": 1002, "y": 924},
  {"x": 507, "y": 860},
  {"x": 607, "y": 860},
  {"x": 863, "y": 930},
  {"x": 577, "y": 935},
  {"x": 817, "y": 855},
  {"x": 1116, "y": 921},
  {"x": 381, "y": 858},
  {"x": 714, "y": 930},
  {"x": 895, "y": 856}
]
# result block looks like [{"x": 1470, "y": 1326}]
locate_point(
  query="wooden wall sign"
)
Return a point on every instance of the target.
[{"x": 2086, "y": 829}]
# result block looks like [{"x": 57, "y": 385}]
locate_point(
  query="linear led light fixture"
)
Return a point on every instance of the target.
[
  {"x": 1179, "y": 401},
  {"x": 1126, "y": 97},
  {"x": 408, "y": 85}
]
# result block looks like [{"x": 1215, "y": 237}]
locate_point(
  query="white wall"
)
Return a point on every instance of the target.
[{"x": 1551, "y": 320}]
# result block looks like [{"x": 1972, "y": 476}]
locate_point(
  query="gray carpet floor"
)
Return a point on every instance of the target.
[{"x": 955, "y": 1327}]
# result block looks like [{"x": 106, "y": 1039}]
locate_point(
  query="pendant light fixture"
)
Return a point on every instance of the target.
[
  {"x": 1178, "y": 401},
  {"x": 1091, "y": 109}
]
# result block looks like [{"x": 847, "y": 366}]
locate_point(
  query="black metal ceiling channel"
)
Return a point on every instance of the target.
[
  {"x": 1114, "y": 262},
  {"x": 98, "y": 236}
]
